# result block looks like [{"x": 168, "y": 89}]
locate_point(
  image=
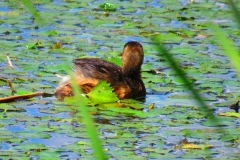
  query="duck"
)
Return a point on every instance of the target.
[{"x": 126, "y": 80}]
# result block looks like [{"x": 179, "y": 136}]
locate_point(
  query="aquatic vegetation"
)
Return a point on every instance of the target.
[{"x": 40, "y": 127}]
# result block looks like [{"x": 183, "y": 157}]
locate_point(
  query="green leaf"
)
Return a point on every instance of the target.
[
  {"x": 21, "y": 92},
  {"x": 226, "y": 44},
  {"x": 107, "y": 6},
  {"x": 115, "y": 60},
  {"x": 31, "y": 45},
  {"x": 230, "y": 114},
  {"x": 196, "y": 146},
  {"x": 170, "y": 38},
  {"x": 102, "y": 93},
  {"x": 51, "y": 32},
  {"x": 128, "y": 111},
  {"x": 30, "y": 146}
]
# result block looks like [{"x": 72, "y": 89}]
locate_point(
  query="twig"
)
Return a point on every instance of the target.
[
  {"x": 24, "y": 96},
  {"x": 59, "y": 76},
  {"x": 9, "y": 83},
  {"x": 11, "y": 86},
  {"x": 9, "y": 62}
]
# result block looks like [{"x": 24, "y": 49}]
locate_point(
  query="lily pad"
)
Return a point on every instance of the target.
[
  {"x": 102, "y": 92},
  {"x": 230, "y": 114}
]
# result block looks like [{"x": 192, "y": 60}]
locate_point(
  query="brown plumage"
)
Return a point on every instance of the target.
[{"x": 126, "y": 81}]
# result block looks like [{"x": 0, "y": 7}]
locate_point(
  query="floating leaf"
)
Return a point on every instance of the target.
[
  {"x": 57, "y": 45},
  {"x": 230, "y": 114},
  {"x": 31, "y": 45},
  {"x": 51, "y": 32},
  {"x": 196, "y": 146},
  {"x": 151, "y": 106},
  {"x": 102, "y": 93},
  {"x": 107, "y": 7},
  {"x": 115, "y": 60},
  {"x": 129, "y": 111},
  {"x": 30, "y": 146}
]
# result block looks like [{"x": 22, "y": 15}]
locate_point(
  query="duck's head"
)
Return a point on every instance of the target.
[{"x": 132, "y": 58}]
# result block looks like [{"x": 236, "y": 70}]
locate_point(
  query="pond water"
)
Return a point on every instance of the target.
[{"x": 43, "y": 127}]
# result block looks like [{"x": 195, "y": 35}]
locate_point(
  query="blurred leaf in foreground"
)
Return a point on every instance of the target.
[
  {"x": 235, "y": 11},
  {"x": 227, "y": 45},
  {"x": 88, "y": 121}
]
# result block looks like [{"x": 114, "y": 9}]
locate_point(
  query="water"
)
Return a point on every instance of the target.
[{"x": 124, "y": 131}]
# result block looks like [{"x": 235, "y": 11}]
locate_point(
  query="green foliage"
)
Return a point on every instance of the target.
[
  {"x": 107, "y": 6},
  {"x": 51, "y": 32},
  {"x": 230, "y": 114},
  {"x": 185, "y": 80},
  {"x": 33, "y": 45},
  {"x": 30, "y": 7},
  {"x": 84, "y": 31},
  {"x": 102, "y": 93},
  {"x": 88, "y": 121},
  {"x": 226, "y": 44}
]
